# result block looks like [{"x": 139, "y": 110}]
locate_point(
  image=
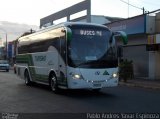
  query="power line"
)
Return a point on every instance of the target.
[
  {"x": 144, "y": 11},
  {"x": 131, "y": 4}
]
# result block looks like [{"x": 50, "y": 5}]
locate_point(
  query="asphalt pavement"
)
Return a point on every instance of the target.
[{"x": 18, "y": 98}]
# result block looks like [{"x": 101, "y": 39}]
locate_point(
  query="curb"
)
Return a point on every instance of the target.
[{"x": 140, "y": 85}]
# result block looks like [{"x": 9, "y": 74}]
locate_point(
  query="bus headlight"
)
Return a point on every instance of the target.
[
  {"x": 115, "y": 75},
  {"x": 77, "y": 76}
]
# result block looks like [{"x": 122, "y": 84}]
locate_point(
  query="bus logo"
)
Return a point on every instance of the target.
[
  {"x": 105, "y": 73},
  {"x": 97, "y": 73}
]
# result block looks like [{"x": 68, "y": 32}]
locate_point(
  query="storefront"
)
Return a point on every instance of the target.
[{"x": 139, "y": 29}]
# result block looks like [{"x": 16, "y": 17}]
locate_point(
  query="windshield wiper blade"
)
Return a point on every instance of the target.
[{"x": 87, "y": 63}]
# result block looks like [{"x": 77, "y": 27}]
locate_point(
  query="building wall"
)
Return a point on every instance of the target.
[
  {"x": 150, "y": 24},
  {"x": 154, "y": 57},
  {"x": 157, "y": 66},
  {"x": 136, "y": 51},
  {"x": 158, "y": 22},
  {"x": 154, "y": 65},
  {"x": 140, "y": 58}
]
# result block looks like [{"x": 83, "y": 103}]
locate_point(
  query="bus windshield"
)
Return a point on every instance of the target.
[{"x": 90, "y": 47}]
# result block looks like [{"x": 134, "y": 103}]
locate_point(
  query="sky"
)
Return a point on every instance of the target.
[{"x": 31, "y": 11}]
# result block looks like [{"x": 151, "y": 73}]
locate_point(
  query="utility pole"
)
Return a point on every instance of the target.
[{"x": 143, "y": 10}]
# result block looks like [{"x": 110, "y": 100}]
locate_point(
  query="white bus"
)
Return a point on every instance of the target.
[{"x": 69, "y": 55}]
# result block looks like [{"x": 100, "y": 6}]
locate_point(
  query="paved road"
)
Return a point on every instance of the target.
[{"x": 16, "y": 97}]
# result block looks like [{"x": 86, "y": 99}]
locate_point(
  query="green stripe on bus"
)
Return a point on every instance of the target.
[{"x": 27, "y": 58}]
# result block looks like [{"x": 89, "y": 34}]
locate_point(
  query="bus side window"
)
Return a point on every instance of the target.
[{"x": 63, "y": 47}]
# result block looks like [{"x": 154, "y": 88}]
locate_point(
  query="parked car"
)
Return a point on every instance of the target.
[{"x": 4, "y": 65}]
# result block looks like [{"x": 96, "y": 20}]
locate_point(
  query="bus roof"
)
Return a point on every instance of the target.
[
  {"x": 27, "y": 39},
  {"x": 64, "y": 24}
]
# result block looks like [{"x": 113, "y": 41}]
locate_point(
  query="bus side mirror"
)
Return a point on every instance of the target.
[{"x": 122, "y": 35}]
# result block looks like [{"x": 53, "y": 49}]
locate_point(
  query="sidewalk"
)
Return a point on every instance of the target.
[{"x": 143, "y": 83}]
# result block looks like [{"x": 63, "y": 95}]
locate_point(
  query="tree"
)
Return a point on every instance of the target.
[{"x": 126, "y": 70}]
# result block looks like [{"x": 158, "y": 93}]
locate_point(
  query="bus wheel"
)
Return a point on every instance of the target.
[
  {"x": 27, "y": 78},
  {"x": 53, "y": 83}
]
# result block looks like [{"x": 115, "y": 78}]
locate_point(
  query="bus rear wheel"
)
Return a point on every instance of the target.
[
  {"x": 27, "y": 78},
  {"x": 53, "y": 84}
]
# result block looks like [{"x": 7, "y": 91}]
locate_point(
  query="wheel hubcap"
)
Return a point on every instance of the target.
[
  {"x": 53, "y": 83},
  {"x": 26, "y": 79}
]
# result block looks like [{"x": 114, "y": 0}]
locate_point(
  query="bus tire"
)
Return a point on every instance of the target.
[
  {"x": 27, "y": 78},
  {"x": 53, "y": 83}
]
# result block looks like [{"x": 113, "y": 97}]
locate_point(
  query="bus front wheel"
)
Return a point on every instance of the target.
[
  {"x": 27, "y": 78},
  {"x": 53, "y": 83}
]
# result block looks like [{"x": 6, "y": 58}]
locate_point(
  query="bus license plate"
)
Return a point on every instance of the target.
[{"x": 97, "y": 85}]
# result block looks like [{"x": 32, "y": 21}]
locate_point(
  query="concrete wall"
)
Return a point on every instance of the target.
[
  {"x": 154, "y": 65},
  {"x": 150, "y": 24},
  {"x": 84, "y": 5},
  {"x": 157, "y": 66},
  {"x": 140, "y": 58},
  {"x": 136, "y": 51},
  {"x": 158, "y": 22}
]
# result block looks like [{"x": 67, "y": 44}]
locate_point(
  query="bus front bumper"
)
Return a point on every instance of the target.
[{"x": 92, "y": 84}]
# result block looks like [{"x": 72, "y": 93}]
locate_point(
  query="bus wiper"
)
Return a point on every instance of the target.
[{"x": 86, "y": 63}]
